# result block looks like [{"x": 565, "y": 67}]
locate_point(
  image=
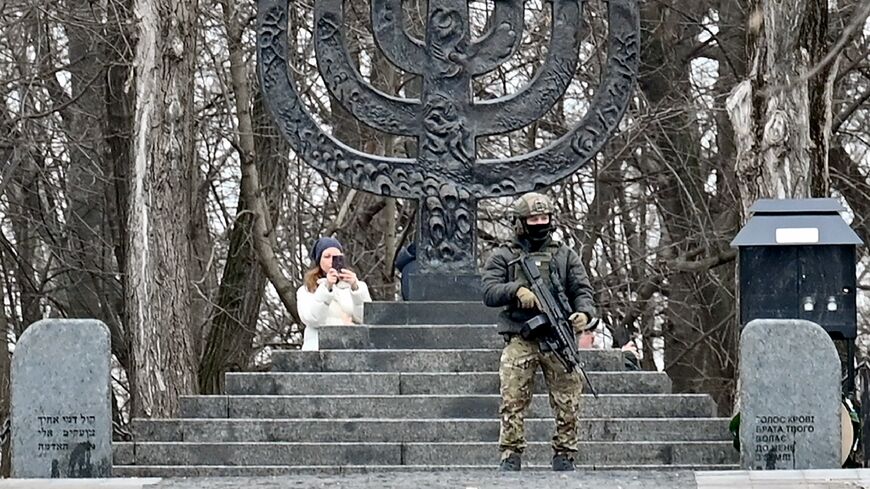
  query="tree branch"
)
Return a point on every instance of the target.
[{"x": 681, "y": 264}]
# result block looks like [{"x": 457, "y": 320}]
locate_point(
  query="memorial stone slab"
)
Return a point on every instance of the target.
[
  {"x": 789, "y": 396},
  {"x": 61, "y": 416}
]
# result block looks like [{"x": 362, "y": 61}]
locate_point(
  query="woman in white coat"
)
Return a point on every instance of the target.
[{"x": 329, "y": 296}]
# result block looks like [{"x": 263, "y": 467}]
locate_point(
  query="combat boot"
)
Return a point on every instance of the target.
[
  {"x": 511, "y": 463},
  {"x": 563, "y": 462}
]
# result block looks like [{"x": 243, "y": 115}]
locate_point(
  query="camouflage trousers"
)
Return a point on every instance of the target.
[{"x": 519, "y": 363}]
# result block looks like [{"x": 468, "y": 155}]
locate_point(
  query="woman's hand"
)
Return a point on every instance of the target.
[
  {"x": 348, "y": 275},
  {"x": 332, "y": 277}
]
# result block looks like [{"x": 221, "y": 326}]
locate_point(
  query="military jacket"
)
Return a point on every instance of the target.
[{"x": 501, "y": 282}]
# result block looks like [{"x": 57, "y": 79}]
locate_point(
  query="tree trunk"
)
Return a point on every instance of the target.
[
  {"x": 159, "y": 258},
  {"x": 5, "y": 384},
  {"x": 204, "y": 275},
  {"x": 252, "y": 185},
  {"x": 229, "y": 345},
  {"x": 24, "y": 196},
  {"x": 781, "y": 117},
  {"x": 118, "y": 130},
  {"x": 696, "y": 332},
  {"x": 84, "y": 255}
]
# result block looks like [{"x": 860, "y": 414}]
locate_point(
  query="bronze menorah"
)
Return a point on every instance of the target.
[{"x": 446, "y": 177}]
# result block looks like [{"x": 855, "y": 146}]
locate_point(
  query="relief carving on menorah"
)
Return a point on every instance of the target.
[{"x": 446, "y": 178}]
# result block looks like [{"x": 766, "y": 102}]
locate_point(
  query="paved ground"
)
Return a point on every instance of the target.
[{"x": 815, "y": 479}]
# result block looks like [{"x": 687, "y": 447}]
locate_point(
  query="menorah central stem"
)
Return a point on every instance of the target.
[
  {"x": 447, "y": 144},
  {"x": 447, "y": 211},
  {"x": 447, "y": 41},
  {"x": 446, "y": 245}
]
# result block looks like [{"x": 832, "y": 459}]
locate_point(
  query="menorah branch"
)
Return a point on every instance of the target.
[
  {"x": 572, "y": 151},
  {"x": 549, "y": 83},
  {"x": 393, "y": 39},
  {"x": 502, "y": 38},
  {"x": 396, "y": 177},
  {"x": 374, "y": 108}
]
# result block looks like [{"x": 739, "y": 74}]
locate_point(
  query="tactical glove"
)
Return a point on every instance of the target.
[
  {"x": 579, "y": 320},
  {"x": 527, "y": 298}
]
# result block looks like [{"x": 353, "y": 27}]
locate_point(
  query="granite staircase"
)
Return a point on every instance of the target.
[{"x": 416, "y": 389}]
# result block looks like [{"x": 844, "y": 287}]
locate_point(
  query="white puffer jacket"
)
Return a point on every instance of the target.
[{"x": 339, "y": 306}]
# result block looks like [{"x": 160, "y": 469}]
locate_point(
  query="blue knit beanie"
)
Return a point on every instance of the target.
[{"x": 320, "y": 246}]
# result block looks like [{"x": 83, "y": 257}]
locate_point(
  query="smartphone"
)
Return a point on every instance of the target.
[{"x": 338, "y": 263}]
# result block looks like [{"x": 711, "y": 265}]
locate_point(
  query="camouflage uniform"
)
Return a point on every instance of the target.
[
  {"x": 519, "y": 362},
  {"x": 521, "y": 358}
]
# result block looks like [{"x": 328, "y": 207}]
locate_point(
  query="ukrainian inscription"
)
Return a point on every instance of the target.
[{"x": 775, "y": 437}]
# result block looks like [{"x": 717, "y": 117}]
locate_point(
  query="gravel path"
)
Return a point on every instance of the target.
[
  {"x": 793, "y": 479},
  {"x": 461, "y": 480}
]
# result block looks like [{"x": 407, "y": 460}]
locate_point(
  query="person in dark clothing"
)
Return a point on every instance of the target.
[
  {"x": 406, "y": 263},
  {"x": 505, "y": 286}
]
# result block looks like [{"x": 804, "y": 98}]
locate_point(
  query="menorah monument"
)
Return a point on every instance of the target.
[{"x": 446, "y": 177}]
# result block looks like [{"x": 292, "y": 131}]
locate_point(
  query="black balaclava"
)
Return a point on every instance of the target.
[{"x": 537, "y": 235}]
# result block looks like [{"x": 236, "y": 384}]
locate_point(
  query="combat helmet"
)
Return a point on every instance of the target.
[{"x": 531, "y": 204}]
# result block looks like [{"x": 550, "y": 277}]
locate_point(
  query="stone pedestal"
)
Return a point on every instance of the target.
[
  {"x": 445, "y": 287},
  {"x": 429, "y": 313}
]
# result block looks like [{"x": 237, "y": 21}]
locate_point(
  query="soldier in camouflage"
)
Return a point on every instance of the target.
[{"x": 505, "y": 286}]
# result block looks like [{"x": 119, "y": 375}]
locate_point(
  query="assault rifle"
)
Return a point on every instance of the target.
[{"x": 552, "y": 328}]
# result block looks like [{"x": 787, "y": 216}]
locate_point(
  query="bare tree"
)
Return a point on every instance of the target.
[
  {"x": 781, "y": 116},
  {"x": 251, "y": 258},
  {"x": 159, "y": 255},
  {"x": 5, "y": 389}
]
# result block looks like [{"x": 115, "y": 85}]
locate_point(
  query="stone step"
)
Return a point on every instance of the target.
[
  {"x": 467, "y": 360},
  {"x": 395, "y": 383},
  {"x": 421, "y": 430},
  {"x": 429, "y": 312},
  {"x": 278, "y": 470},
  {"x": 592, "y": 453},
  {"x": 437, "y": 336},
  {"x": 372, "y": 453},
  {"x": 430, "y": 406}
]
